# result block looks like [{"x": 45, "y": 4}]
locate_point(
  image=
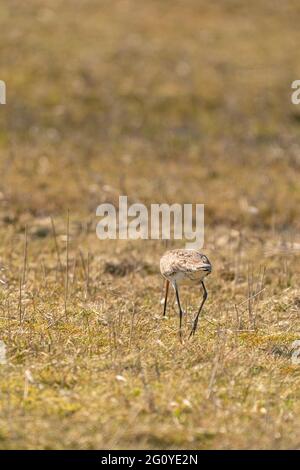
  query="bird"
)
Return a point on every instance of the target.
[{"x": 185, "y": 266}]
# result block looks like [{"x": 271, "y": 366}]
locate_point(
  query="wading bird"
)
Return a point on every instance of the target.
[{"x": 184, "y": 266}]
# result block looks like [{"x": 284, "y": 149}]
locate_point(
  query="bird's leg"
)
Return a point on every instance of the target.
[
  {"x": 199, "y": 311},
  {"x": 180, "y": 309},
  {"x": 166, "y": 296}
]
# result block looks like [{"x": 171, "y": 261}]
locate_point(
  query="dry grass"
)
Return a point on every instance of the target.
[{"x": 165, "y": 102}]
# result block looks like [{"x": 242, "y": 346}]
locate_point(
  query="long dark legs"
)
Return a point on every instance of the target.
[
  {"x": 199, "y": 311},
  {"x": 166, "y": 296},
  {"x": 180, "y": 309}
]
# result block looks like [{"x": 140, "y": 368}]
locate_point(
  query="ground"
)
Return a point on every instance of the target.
[{"x": 164, "y": 101}]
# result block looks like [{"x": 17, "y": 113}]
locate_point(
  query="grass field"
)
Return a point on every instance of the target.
[{"x": 163, "y": 101}]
